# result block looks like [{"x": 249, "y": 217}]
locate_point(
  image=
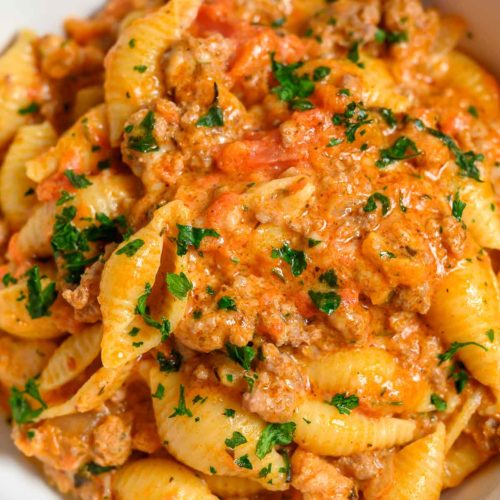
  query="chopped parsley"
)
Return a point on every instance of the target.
[
  {"x": 385, "y": 254},
  {"x": 97, "y": 470},
  {"x": 212, "y": 470},
  {"x": 64, "y": 198},
  {"x": 354, "y": 117},
  {"x": 244, "y": 462},
  {"x": 353, "y": 55},
  {"x": 132, "y": 42},
  {"x": 388, "y": 117},
  {"x": 78, "y": 181},
  {"x": 214, "y": 116},
  {"x": 274, "y": 434},
  {"x": 227, "y": 303},
  {"x": 137, "y": 344},
  {"x": 459, "y": 375},
  {"x": 181, "y": 409},
  {"x": 192, "y": 236},
  {"x": 402, "y": 149},
  {"x": 329, "y": 278},
  {"x": 457, "y": 207},
  {"x": 8, "y": 279},
  {"x": 22, "y": 412},
  {"x": 265, "y": 471},
  {"x": 140, "y": 68},
  {"x": 130, "y": 248},
  {"x": 143, "y": 310},
  {"x": 438, "y": 402},
  {"x": 371, "y": 203},
  {"x": 178, "y": 285},
  {"x": 327, "y": 302},
  {"x": 242, "y": 355},
  {"x": 292, "y": 88},
  {"x": 296, "y": 258},
  {"x": 320, "y": 73},
  {"x": 29, "y": 192},
  {"x": 229, "y": 412},
  {"x": 455, "y": 346},
  {"x": 144, "y": 142},
  {"x": 466, "y": 161},
  {"x": 391, "y": 37},
  {"x": 287, "y": 469},
  {"x": 344, "y": 403},
  {"x": 473, "y": 111},
  {"x": 199, "y": 399},
  {"x": 237, "y": 439},
  {"x": 160, "y": 392},
  {"x": 134, "y": 331},
  {"x": 170, "y": 364},
  {"x": 29, "y": 109},
  {"x": 334, "y": 141},
  {"x": 491, "y": 335},
  {"x": 39, "y": 299},
  {"x": 311, "y": 242},
  {"x": 278, "y": 23}
]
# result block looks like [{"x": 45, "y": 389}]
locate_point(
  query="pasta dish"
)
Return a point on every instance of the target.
[{"x": 249, "y": 251}]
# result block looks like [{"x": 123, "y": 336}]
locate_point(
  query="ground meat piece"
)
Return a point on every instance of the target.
[
  {"x": 62, "y": 443},
  {"x": 161, "y": 164},
  {"x": 416, "y": 299},
  {"x": 363, "y": 466},
  {"x": 281, "y": 321},
  {"x": 112, "y": 441},
  {"x": 317, "y": 479},
  {"x": 453, "y": 235},
  {"x": 217, "y": 326},
  {"x": 354, "y": 21},
  {"x": 84, "y": 297},
  {"x": 278, "y": 389}
]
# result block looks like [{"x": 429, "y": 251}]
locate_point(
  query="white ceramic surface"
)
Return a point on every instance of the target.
[{"x": 19, "y": 479}]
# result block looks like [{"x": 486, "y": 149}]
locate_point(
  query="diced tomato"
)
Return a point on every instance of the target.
[
  {"x": 304, "y": 305},
  {"x": 50, "y": 189},
  {"x": 261, "y": 154}
]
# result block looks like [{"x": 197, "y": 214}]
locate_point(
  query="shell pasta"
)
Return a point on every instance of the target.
[{"x": 250, "y": 250}]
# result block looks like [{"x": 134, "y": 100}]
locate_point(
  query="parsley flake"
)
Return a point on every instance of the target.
[
  {"x": 402, "y": 149},
  {"x": 344, "y": 403},
  {"x": 8, "y": 279},
  {"x": 371, "y": 203},
  {"x": 455, "y": 346},
  {"x": 244, "y": 462},
  {"x": 292, "y": 88},
  {"x": 242, "y": 355},
  {"x": 296, "y": 258},
  {"x": 192, "y": 236},
  {"x": 29, "y": 109},
  {"x": 78, "y": 181},
  {"x": 160, "y": 392},
  {"x": 438, "y": 402},
  {"x": 39, "y": 299},
  {"x": 457, "y": 207},
  {"x": 181, "y": 409},
  {"x": 171, "y": 364},
  {"x": 237, "y": 439},
  {"x": 274, "y": 434},
  {"x": 214, "y": 116},
  {"x": 22, "y": 412},
  {"x": 178, "y": 285},
  {"x": 144, "y": 141},
  {"x": 327, "y": 302},
  {"x": 130, "y": 248},
  {"x": 227, "y": 303}
]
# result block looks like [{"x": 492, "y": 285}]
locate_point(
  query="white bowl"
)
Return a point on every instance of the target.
[{"x": 19, "y": 479}]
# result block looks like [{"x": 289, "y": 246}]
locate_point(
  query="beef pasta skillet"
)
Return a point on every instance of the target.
[{"x": 250, "y": 251}]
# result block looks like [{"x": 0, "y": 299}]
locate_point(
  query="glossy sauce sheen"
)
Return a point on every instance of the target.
[{"x": 342, "y": 157}]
